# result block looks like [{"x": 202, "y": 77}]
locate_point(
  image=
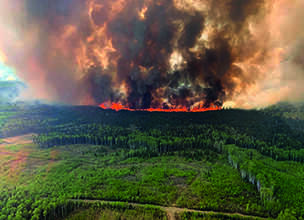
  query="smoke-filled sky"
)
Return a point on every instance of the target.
[{"x": 156, "y": 53}]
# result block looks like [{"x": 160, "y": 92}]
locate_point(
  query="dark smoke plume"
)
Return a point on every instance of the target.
[{"x": 142, "y": 53}]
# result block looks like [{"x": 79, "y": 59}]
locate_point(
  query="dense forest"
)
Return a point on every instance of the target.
[{"x": 248, "y": 162}]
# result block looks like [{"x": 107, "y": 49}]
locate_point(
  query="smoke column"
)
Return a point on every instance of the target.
[{"x": 168, "y": 54}]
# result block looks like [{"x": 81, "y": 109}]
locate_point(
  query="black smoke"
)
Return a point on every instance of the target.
[{"x": 143, "y": 48}]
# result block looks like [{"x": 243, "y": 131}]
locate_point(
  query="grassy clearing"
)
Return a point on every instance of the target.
[
  {"x": 50, "y": 176},
  {"x": 210, "y": 216},
  {"x": 220, "y": 187},
  {"x": 14, "y": 148},
  {"x": 116, "y": 210}
]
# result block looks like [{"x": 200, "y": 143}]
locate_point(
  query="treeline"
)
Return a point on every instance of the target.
[
  {"x": 14, "y": 206},
  {"x": 145, "y": 144},
  {"x": 155, "y": 142},
  {"x": 265, "y": 188},
  {"x": 279, "y": 152},
  {"x": 17, "y": 204},
  {"x": 71, "y": 120},
  {"x": 274, "y": 184}
]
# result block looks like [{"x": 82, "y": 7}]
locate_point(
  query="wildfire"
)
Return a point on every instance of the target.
[
  {"x": 142, "y": 13},
  {"x": 171, "y": 56},
  {"x": 118, "y": 107}
]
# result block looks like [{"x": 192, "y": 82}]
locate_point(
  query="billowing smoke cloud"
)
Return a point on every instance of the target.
[{"x": 156, "y": 53}]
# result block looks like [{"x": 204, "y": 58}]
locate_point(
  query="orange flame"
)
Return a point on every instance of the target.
[
  {"x": 142, "y": 13},
  {"x": 118, "y": 107}
]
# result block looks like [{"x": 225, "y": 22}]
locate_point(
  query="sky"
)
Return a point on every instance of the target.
[{"x": 6, "y": 73}]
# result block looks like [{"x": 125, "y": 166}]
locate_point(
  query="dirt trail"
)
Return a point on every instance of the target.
[
  {"x": 172, "y": 210},
  {"x": 19, "y": 157},
  {"x": 22, "y": 139}
]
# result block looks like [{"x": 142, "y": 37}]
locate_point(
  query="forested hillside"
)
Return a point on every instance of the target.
[
  {"x": 228, "y": 161},
  {"x": 293, "y": 114}
]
